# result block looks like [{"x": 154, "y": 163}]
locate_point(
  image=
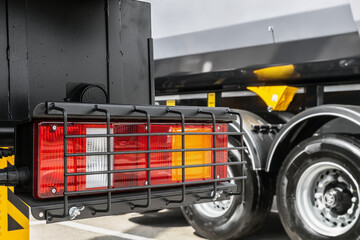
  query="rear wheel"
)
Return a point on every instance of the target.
[
  {"x": 318, "y": 189},
  {"x": 234, "y": 218}
]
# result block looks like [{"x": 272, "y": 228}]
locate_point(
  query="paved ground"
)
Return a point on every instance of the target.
[{"x": 166, "y": 224}]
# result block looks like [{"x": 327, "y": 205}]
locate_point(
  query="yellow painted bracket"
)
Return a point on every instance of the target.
[
  {"x": 277, "y": 98},
  {"x": 14, "y": 213}
]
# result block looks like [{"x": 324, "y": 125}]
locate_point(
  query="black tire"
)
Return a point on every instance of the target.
[
  {"x": 317, "y": 189},
  {"x": 242, "y": 217}
]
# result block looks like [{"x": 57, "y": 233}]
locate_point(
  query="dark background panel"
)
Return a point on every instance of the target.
[
  {"x": 135, "y": 32},
  {"x": 348, "y": 98},
  {"x": 67, "y": 44},
  {"x": 3, "y": 63},
  {"x": 115, "y": 53},
  {"x": 61, "y": 44},
  {"x": 18, "y": 60}
]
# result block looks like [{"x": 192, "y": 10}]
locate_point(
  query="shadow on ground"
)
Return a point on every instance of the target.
[
  {"x": 152, "y": 223},
  {"x": 272, "y": 230},
  {"x": 169, "y": 218}
]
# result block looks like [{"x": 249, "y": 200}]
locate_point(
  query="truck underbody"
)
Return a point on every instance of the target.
[
  {"x": 309, "y": 150},
  {"x": 299, "y": 103}
]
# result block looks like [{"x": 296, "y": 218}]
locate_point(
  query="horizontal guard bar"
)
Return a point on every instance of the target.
[
  {"x": 156, "y": 169},
  {"x": 85, "y": 110},
  {"x": 154, "y": 151},
  {"x": 154, "y": 134},
  {"x": 152, "y": 186}
]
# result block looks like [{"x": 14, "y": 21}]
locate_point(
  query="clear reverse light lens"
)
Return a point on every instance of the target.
[{"x": 100, "y": 162}]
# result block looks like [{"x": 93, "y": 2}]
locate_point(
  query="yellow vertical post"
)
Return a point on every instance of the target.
[
  {"x": 14, "y": 213},
  {"x": 211, "y": 99},
  {"x": 3, "y": 210}
]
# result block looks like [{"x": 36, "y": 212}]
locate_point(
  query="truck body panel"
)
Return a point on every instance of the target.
[{"x": 52, "y": 48}]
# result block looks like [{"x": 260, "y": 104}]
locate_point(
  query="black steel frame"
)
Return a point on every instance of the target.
[{"x": 181, "y": 113}]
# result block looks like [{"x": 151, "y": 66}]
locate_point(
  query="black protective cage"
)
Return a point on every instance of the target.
[{"x": 139, "y": 198}]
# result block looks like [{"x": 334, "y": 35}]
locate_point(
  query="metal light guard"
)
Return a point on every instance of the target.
[{"x": 51, "y": 107}]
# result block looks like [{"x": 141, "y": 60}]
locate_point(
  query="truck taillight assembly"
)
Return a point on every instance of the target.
[{"x": 88, "y": 153}]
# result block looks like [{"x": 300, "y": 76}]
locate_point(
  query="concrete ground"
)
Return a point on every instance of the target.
[{"x": 166, "y": 224}]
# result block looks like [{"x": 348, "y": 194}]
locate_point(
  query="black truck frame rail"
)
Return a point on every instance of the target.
[
  {"x": 180, "y": 114},
  {"x": 306, "y": 74}
]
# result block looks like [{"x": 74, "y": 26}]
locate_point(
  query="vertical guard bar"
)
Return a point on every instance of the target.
[
  {"x": 214, "y": 151},
  {"x": 148, "y": 202},
  {"x": 108, "y": 141},
  {"x": 241, "y": 139},
  {"x": 49, "y": 216},
  {"x": 182, "y": 156}
]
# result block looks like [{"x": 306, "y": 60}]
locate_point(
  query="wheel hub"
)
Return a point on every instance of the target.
[
  {"x": 330, "y": 198},
  {"x": 327, "y": 198}
]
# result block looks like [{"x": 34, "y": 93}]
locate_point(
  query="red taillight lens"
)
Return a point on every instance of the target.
[{"x": 49, "y": 156}]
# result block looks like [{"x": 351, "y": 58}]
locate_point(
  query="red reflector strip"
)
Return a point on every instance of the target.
[{"x": 49, "y": 156}]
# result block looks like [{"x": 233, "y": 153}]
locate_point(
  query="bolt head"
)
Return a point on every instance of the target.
[
  {"x": 41, "y": 214},
  {"x": 74, "y": 212},
  {"x": 53, "y": 127},
  {"x": 53, "y": 190},
  {"x": 146, "y": 183},
  {"x": 77, "y": 212}
]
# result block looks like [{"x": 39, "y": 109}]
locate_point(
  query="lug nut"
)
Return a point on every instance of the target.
[{"x": 318, "y": 195}]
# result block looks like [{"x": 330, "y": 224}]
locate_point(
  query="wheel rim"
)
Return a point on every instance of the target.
[
  {"x": 327, "y": 199},
  {"x": 216, "y": 209}
]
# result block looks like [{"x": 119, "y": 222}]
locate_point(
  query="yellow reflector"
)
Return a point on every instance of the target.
[
  {"x": 276, "y": 73},
  {"x": 170, "y": 102},
  {"x": 192, "y": 158}
]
